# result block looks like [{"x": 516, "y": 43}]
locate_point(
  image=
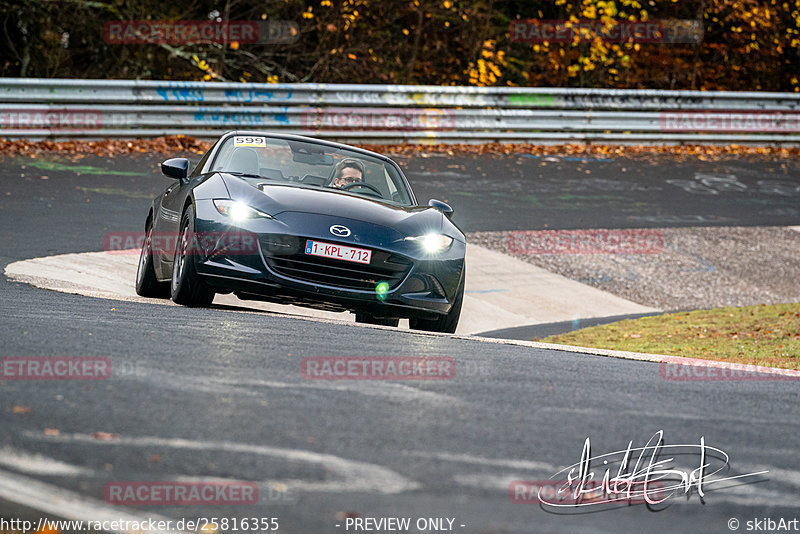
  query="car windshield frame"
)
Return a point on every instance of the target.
[{"x": 289, "y": 158}]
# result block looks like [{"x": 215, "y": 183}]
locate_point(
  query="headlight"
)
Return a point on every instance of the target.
[
  {"x": 432, "y": 243},
  {"x": 239, "y": 211}
]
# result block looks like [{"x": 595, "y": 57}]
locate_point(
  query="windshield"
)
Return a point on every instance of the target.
[{"x": 265, "y": 159}]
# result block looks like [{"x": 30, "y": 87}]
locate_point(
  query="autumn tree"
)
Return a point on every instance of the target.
[{"x": 727, "y": 44}]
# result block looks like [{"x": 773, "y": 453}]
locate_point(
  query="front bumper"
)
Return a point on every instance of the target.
[{"x": 274, "y": 267}]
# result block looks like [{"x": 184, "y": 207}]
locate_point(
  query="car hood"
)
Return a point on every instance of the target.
[{"x": 280, "y": 200}]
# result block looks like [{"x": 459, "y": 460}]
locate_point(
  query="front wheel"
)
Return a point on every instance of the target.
[
  {"x": 147, "y": 285},
  {"x": 188, "y": 288},
  {"x": 444, "y": 323}
]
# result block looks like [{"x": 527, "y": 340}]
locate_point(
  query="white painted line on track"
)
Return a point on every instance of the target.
[
  {"x": 345, "y": 475},
  {"x": 56, "y": 503},
  {"x": 37, "y": 464}
]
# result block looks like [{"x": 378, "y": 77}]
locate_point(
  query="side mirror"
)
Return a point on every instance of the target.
[
  {"x": 441, "y": 206},
  {"x": 177, "y": 168}
]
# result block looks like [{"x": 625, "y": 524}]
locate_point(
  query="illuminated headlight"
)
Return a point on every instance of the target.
[
  {"x": 239, "y": 211},
  {"x": 433, "y": 243}
]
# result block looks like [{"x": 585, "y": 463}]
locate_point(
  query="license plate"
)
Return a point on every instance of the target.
[{"x": 338, "y": 252}]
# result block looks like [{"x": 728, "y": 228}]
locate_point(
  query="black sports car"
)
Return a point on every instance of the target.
[{"x": 295, "y": 220}]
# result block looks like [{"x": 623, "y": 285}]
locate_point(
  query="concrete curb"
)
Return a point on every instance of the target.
[
  {"x": 501, "y": 291},
  {"x": 625, "y": 355}
]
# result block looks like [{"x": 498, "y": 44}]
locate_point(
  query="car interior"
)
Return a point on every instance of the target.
[{"x": 305, "y": 165}]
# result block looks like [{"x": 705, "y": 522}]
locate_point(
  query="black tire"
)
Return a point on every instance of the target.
[
  {"x": 366, "y": 318},
  {"x": 147, "y": 285},
  {"x": 187, "y": 287},
  {"x": 444, "y": 323}
]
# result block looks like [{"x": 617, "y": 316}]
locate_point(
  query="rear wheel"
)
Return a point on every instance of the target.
[
  {"x": 444, "y": 323},
  {"x": 366, "y": 318},
  {"x": 188, "y": 288},
  {"x": 147, "y": 285}
]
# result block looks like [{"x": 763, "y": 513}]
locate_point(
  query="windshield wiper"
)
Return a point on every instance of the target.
[{"x": 246, "y": 174}]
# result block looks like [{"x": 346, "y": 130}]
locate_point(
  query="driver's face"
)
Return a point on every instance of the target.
[{"x": 349, "y": 176}]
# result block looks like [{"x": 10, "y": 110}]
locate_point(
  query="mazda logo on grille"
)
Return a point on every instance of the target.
[{"x": 340, "y": 231}]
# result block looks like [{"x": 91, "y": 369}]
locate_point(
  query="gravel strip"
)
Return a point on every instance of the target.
[{"x": 687, "y": 268}]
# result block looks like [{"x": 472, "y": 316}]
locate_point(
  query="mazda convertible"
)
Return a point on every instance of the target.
[{"x": 296, "y": 220}]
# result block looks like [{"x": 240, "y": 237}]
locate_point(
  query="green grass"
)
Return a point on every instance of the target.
[
  {"x": 756, "y": 335},
  {"x": 114, "y": 191},
  {"x": 78, "y": 169}
]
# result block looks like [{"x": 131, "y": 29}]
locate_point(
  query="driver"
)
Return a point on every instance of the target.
[{"x": 348, "y": 171}]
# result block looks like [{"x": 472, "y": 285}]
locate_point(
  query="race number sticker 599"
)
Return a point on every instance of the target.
[{"x": 243, "y": 140}]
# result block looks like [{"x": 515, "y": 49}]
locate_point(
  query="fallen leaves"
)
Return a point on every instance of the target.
[
  {"x": 108, "y": 147},
  {"x": 181, "y": 144},
  {"x": 592, "y": 151},
  {"x": 47, "y": 528},
  {"x": 104, "y": 436},
  {"x": 346, "y": 514}
]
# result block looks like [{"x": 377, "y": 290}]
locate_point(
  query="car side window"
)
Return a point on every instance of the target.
[
  {"x": 223, "y": 157},
  {"x": 389, "y": 182},
  {"x": 199, "y": 167},
  {"x": 398, "y": 192}
]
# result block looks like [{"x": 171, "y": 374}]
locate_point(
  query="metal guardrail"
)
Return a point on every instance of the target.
[{"x": 56, "y": 108}]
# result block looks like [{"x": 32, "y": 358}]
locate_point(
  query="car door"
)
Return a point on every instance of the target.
[{"x": 166, "y": 227}]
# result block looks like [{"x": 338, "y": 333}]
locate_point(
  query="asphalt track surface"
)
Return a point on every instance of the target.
[
  {"x": 212, "y": 393},
  {"x": 526, "y": 192}
]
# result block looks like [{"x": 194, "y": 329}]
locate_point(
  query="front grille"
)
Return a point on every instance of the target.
[{"x": 286, "y": 256}]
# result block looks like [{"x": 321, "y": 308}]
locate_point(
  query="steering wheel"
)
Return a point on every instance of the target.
[{"x": 348, "y": 187}]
